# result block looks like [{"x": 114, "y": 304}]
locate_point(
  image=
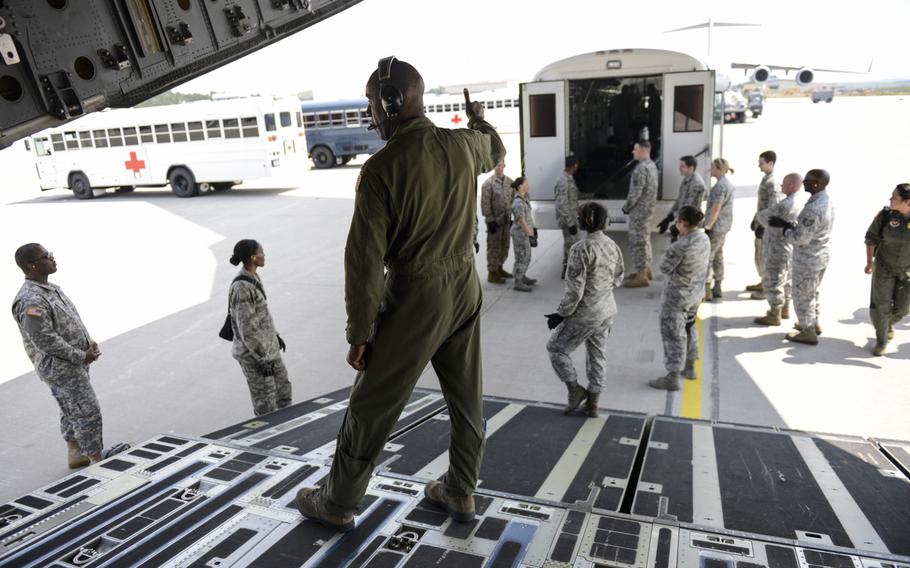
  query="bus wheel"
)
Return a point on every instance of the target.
[
  {"x": 323, "y": 157},
  {"x": 346, "y": 159},
  {"x": 183, "y": 183},
  {"x": 125, "y": 189},
  {"x": 82, "y": 189},
  {"x": 224, "y": 186}
]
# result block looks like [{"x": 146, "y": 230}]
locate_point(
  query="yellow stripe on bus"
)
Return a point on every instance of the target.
[{"x": 692, "y": 389}]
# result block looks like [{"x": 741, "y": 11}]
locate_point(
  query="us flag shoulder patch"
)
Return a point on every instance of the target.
[{"x": 35, "y": 312}]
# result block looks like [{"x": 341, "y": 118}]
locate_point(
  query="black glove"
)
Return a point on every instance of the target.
[
  {"x": 281, "y": 344},
  {"x": 674, "y": 233},
  {"x": 535, "y": 232},
  {"x": 708, "y": 231},
  {"x": 759, "y": 232},
  {"x": 267, "y": 368},
  {"x": 533, "y": 240},
  {"x": 492, "y": 227},
  {"x": 476, "y": 247},
  {"x": 573, "y": 230},
  {"x": 625, "y": 210},
  {"x": 777, "y": 222},
  {"x": 665, "y": 224},
  {"x": 553, "y": 320},
  {"x": 754, "y": 225}
]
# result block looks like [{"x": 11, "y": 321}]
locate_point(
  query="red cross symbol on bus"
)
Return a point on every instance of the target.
[
  {"x": 135, "y": 164},
  {"x": 456, "y": 119}
]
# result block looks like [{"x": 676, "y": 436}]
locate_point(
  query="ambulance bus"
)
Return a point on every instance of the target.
[
  {"x": 337, "y": 131},
  {"x": 192, "y": 147},
  {"x": 597, "y": 105}
]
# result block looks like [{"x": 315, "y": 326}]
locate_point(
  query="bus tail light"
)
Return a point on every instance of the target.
[{"x": 273, "y": 138}]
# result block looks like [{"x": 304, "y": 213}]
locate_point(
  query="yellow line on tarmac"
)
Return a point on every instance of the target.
[{"x": 692, "y": 389}]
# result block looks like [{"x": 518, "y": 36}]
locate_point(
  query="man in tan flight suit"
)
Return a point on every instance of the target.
[{"x": 414, "y": 214}]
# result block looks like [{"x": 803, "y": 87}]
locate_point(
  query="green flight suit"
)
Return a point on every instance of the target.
[
  {"x": 889, "y": 233},
  {"x": 414, "y": 215}
]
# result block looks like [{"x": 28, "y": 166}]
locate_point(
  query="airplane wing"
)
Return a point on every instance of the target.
[
  {"x": 63, "y": 59},
  {"x": 740, "y": 65}
]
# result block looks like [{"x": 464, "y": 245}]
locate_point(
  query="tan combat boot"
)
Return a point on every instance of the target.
[
  {"x": 807, "y": 336},
  {"x": 755, "y": 287},
  {"x": 591, "y": 404},
  {"x": 818, "y": 328},
  {"x": 502, "y": 273},
  {"x": 879, "y": 349},
  {"x": 758, "y": 296},
  {"x": 576, "y": 396},
  {"x": 708, "y": 295},
  {"x": 716, "y": 291},
  {"x": 74, "y": 457},
  {"x": 313, "y": 504},
  {"x": 637, "y": 280},
  {"x": 493, "y": 277},
  {"x": 459, "y": 507},
  {"x": 689, "y": 371},
  {"x": 771, "y": 317},
  {"x": 785, "y": 311},
  {"x": 669, "y": 382}
]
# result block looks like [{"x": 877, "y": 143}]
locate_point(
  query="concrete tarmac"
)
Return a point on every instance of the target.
[{"x": 149, "y": 274}]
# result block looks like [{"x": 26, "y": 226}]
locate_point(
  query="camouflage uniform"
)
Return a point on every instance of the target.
[
  {"x": 595, "y": 268},
  {"x": 640, "y": 207},
  {"x": 496, "y": 204},
  {"x": 889, "y": 233},
  {"x": 255, "y": 344},
  {"x": 57, "y": 341},
  {"x": 691, "y": 192},
  {"x": 777, "y": 252},
  {"x": 768, "y": 195},
  {"x": 567, "y": 213},
  {"x": 811, "y": 241},
  {"x": 686, "y": 266},
  {"x": 722, "y": 193},
  {"x": 521, "y": 207}
]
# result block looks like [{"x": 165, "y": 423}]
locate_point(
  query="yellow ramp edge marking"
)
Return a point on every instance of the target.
[{"x": 692, "y": 389}]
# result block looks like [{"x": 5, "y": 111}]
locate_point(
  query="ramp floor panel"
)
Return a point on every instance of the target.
[{"x": 549, "y": 493}]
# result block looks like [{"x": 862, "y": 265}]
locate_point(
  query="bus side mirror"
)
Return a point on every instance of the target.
[{"x": 28, "y": 145}]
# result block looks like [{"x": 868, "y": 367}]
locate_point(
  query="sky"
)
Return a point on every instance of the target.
[{"x": 472, "y": 41}]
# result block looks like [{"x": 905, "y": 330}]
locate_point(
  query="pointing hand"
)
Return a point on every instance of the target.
[{"x": 473, "y": 110}]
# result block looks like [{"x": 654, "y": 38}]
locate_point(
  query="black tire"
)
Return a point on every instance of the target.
[
  {"x": 741, "y": 118},
  {"x": 828, "y": 101},
  {"x": 80, "y": 186},
  {"x": 322, "y": 157},
  {"x": 346, "y": 159},
  {"x": 815, "y": 101},
  {"x": 222, "y": 186},
  {"x": 183, "y": 182},
  {"x": 125, "y": 189}
]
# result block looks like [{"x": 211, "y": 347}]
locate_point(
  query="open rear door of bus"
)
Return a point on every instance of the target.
[
  {"x": 544, "y": 135},
  {"x": 688, "y": 126}
]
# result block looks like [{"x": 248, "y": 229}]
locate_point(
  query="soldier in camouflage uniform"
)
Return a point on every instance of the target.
[
  {"x": 888, "y": 261},
  {"x": 686, "y": 266},
  {"x": 496, "y": 195},
  {"x": 691, "y": 192},
  {"x": 767, "y": 196},
  {"x": 524, "y": 235},
  {"x": 811, "y": 239},
  {"x": 257, "y": 346},
  {"x": 778, "y": 253},
  {"x": 639, "y": 207},
  {"x": 718, "y": 222},
  {"x": 61, "y": 349},
  {"x": 585, "y": 314},
  {"x": 566, "y": 193}
]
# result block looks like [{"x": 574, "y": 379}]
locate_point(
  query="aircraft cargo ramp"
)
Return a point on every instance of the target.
[{"x": 624, "y": 490}]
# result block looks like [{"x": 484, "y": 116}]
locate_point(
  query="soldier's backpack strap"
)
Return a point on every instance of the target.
[
  {"x": 227, "y": 332},
  {"x": 252, "y": 281}
]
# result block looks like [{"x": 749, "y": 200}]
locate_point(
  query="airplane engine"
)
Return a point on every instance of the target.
[
  {"x": 805, "y": 76},
  {"x": 761, "y": 74}
]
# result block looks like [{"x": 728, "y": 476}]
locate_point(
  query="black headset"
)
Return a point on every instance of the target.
[{"x": 389, "y": 95}]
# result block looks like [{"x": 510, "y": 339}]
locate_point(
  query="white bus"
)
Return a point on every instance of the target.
[
  {"x": 597, "y": 105},
  {"x": 193, "y": 146},
  {"x": 500, "y": 108}
]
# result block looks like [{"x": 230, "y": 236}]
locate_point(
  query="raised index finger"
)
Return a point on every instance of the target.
[{"x": 467, "y": 96}]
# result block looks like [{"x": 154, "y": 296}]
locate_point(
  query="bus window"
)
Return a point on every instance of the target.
[
  {"x": 178, "y": 130},
  {"x": 498, "y": 104},
  {"x": 41, "y": 147},
  {"x": 100, "y": 138},
  {"x": 213, "y": 128},
  {"x": 114, "y": 137},
  {"x": 145, "y": 134},
  {"x": 365, "y": 118},
  {"x": 196, "y": 132},
  {"x": 162, "y": 134},
  {"x": 269, "y": 123},
  {"x": 85, "y": 139},
  {"x": 352, "y": 118},
  {"x": 251, "y": 126},
  {"x": 72, "y": 143},
  {"x": 322, "y": 119},
  {"x": 309, "y": 120},
  {"x": 299, "y": 120},
  {"x": 448, "y": 108},
  {"x": 285, "y": 118},
  {"x": 543, "y": 115},
  {"x": 688, "y": 106},
  {"x": 129, "y": 136},
  {"x": 232, "y": 127},
  {"x": 507, "y": 104},
  {"x": 337, "y": 118},
  {"x": 515, "y": 103}
]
